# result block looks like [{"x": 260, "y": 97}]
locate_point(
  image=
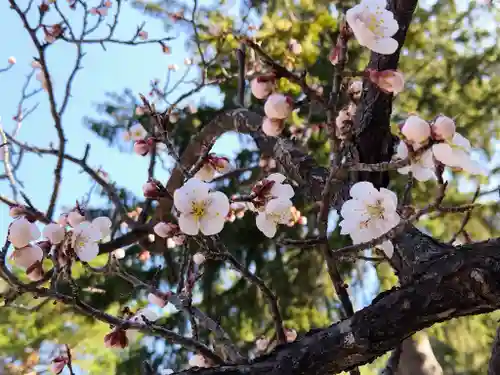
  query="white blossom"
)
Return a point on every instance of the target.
[
  {"x": 200, "y": 210},
  {"x": 103, "y": 224},
  {"x": 27, "y": 256},
  {"x": 416, "y": 130},
  {"x": 272, "y": 127},
  {"x": 277, "y": 211},
  {"x": 199, "y": 258},
  {"x": 456, "y": 154},
  {"x": 422, "y": 166},
  {"x": 54, "y": 233},
  {"x": 373, "y": 26},
  {"x": 75, "y": 218},
  {"x": 85, "y": 240},
  {"x": 291, "y": 335},
  {"x": 262, "y": 344},
  {"x": 156, "y": 300},
  {"x": 142, "y": 314},
  {"x": 369, "y": 214},
  {"x": 119, "y": 253},
  {"x": 213, "y": 164},
  {"x": 278, "y": 106},
  {"x": 22, "y": 232},
  {"x": 137, "y": 132}
]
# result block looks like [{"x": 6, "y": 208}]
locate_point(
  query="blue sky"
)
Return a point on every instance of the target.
[{"x": 104, "y": 71}]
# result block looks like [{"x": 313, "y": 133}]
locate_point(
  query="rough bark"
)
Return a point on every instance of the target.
[
  {"x": 417, "y": 357},
  {"x": 457, "y": 283}
]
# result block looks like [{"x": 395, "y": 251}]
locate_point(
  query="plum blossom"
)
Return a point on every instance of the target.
[
  {"x": 443, "y": 128},
  {"x": 199, "y": 258},
  {"x": 27, "y": 256},
  {"x": 119, "y": 253},
  {"x": 12, "y": 60},
  {"x": 54, "y": 233},
  {"x": 236, "y": 211},
  {"x": 159, "y": 299},
  {"x": 153, "y": 189},
  {"x": 456, "y": 154},
  {"x": 103, "y": 224},
  {"x": 198, "y": 360},
  {"x": 213, "y": 164},
  {"x": 421, "y": 166},
  {"x": 416, "y": 130},
  {"x": 277, "y": 211},
  {"x": 295, "y": 47},
  {"x": 22, "y": 232},
  {"x": 373, "y": 26},
  {"x": 388, "y": 81},
  {"x": 269, "y": 188},
  {"x": 171, "y": 232},
  {"x": 369, "y": 214},
  {"x": 263, "y": 86},
  {"x": 278, "y": 106},
  {"x": 59, "y": 363},
  {"x": 142, "y": 147},
  {"x": 144, "y": 316},
  {"x": 75, "y": 218},
  {"x": 355, "y": 90},
  {"x": 200, "y": 209},
  {"x": 143, "y": 35},
  {"x": 85, "y": 240},
  {"x": 272, "y": 127},
  {"x": 137, "y": 132},
  {"x": 296, "y": 217}
]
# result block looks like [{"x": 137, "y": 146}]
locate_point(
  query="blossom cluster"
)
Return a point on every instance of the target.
[
  {"x": 80, "y": 237},
  {"x": 277, "y": 107}
]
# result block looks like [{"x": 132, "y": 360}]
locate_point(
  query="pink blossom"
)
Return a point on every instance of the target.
[
  {"x": 443, "y": 128},
  {"x": 11, "y": 60},
  {"x": 22, "y": 232},
  {"x": 142, "y": 147},
  {"x": 35, "y": 64},
  {"x": 143, "y": 35},
  {"x": 159, "y": 299},
  {"x": 272, "y": 127},
  {"x": 103, "y": 11},
  {"x": 416, "y": 130},
  {"x": 388, "y": 81},
  {"x": 278, "y": 106},
  {"x": 263, "y": 86},
  {"x": 152, "y": 189},
  {"x": 108, "y": 4},
  {"x": 27, "y": 256},
  {"x": 93, "y": 11},
  {"x": 75, "y": 218}
]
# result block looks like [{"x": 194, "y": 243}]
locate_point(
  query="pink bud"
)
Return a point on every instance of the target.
[
  {"x": 388, "y": 81},
  {"x": 416, "y": 130},
  {"x": 143, "y": 35},
  {"x": 108, "y": 4},
  {"x": 93, "y": 11},
  {"x": 141, "y": 147},
  {"x": 262, "y": 86},
  {"x": 17, "y": 211},
  {"x": 443, "y": 128},
  {"x": 272, "y": 127},
  {"x": 152, "y": 189},
  {"x": 35, "y": 64},
  {"x": 334, "y": 55},
  {"x": 165, "y": 230},
  {"x": 22, "y": 232},
  {"x": 12, "y": 60},
  {"x": 102, "y": 11},
  {"x": 278, "y": 106}
]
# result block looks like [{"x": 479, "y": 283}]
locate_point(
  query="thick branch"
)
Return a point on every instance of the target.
[{"x": 461, "y": 282}]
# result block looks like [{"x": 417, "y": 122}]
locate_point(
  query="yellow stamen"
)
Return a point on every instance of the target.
[{"x": 198, "y": 209}]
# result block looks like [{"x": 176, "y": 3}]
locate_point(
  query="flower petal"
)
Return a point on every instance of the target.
[
  {"x": 444, "y": 153},
  {"x": 210, "y": 224},
  {"x": 103, "y": 225},
  {"x": 362, "y": 190},
  {"x": 266, "y": 226},
  {"x": 22, "y": 231},
  {"x": 384, "y": 46},
  {"x": 88, "y": 252},
  {"x": 278, "y": 178},
  {"x": 402, "y": 150},
  {"x": 283, "y": 191},
  {"x": 188, "y": 224},
  {"x": 461, "y": 141},
  {"x": 354, "y": 209},
  {"x": 27, "y": 256},
  {"x": 193, "y": 190},
  {"x": 390, "y": 199},
  {"x": 388, "y": 248},
  {"x": 218, "y": 204},
  {"x": 54, "y": 233},
  {"x": 206, "y": 173}
]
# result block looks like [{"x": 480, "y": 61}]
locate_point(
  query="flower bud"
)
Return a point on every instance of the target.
[
  {"x": 11, "y": 60},
  {"x": 165, "y": 230},
  {"x": 443, "y": 128},
  {"x": 416, "y": 130},
  {"x": 272, "y": 127},
  {"x": 141, "y": 147},
  {"x": 388, "y": 81},
  {"x": 152, "y": 189},
  {"x": 22, "y": 232},
  {"x": 143, "y": 35},
  {"x": 262, "y": 86},
  {"x": 278, "y": 106}
]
